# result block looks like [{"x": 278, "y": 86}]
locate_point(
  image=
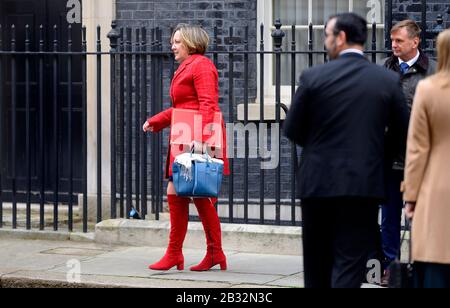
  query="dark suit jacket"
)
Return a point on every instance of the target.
[{"x": 340, "y": 115}]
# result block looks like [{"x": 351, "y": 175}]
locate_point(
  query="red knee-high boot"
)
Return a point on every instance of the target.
[
  {"x": 179, "y": 216},
  {"x": 211, "y": 225}
]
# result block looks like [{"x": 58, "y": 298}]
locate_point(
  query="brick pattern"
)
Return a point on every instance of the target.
[{"x": 412, "y": 9}]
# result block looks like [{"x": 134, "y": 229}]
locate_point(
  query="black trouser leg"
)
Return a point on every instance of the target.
[
  {"x": 356, "y": 238},
  {"x": 338, "y": 236},
  {"x": 317, "y": 243}
]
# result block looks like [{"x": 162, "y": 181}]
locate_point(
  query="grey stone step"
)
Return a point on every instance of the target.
[{"x": 282, "y": 240}]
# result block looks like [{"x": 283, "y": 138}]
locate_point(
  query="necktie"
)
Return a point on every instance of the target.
[{"x": 404, "y": 67}]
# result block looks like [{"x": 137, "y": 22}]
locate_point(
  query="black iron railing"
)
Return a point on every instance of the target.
[{"x": 141, "y": 70}]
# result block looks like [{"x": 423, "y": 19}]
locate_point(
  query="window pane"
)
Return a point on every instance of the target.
[
  {"x": 302, "y": 60},
  {"x": 323, "y": 9},
  {"x": 301, "y": 39},
  {"x": 296, "y": 12},
  {"x": 291, "y": 12}
]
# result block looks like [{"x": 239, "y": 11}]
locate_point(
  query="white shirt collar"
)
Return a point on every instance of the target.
[
  {"x": 352, "y": 50},
  {"x": 412, "y": 61}
]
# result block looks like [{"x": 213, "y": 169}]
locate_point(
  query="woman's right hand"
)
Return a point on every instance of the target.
[{"x": 146, "y": 127}]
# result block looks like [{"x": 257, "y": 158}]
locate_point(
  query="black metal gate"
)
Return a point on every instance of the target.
[
  {"x": 29, "y": 88},
  {"x": 43, "y": 98}
]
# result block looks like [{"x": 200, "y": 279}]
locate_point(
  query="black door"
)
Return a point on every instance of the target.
[{"x": 35, "y": 13}]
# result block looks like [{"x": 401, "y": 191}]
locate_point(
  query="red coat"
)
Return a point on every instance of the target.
[{"x": 195, "y": 85}]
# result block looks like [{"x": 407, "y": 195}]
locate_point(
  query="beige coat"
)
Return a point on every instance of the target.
[{"x": 427, "y": 171}]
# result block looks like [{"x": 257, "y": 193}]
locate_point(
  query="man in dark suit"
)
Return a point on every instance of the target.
[{"x": 340, "y": 115}]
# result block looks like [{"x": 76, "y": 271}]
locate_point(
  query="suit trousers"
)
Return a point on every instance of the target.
[
  {"x": 391, "y": 217},
  {"x": 339, "y": 234}
]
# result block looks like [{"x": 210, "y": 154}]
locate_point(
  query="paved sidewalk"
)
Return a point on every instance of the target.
[{"x": 37, "y": 263}]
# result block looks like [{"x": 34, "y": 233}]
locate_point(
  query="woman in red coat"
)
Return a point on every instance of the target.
[{"x": 194, "y": 86}]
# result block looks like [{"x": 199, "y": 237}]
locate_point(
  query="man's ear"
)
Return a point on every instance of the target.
[
  {"x": 341, "y": 38},
  {"x": 416, "y": 41}
]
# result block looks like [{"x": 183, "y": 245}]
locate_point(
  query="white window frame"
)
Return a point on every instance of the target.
[{"x": 265, "y": 16}]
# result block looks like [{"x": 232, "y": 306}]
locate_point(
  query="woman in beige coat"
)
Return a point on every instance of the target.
[{"x": 427, "y": 174}]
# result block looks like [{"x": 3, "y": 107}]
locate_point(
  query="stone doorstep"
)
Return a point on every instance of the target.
[
  {"x": 63, "y": 209},
  {"x": 223, "y": 210},
  {"x": 279, "y": 240}
]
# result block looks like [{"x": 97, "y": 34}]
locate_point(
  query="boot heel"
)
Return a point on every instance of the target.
[
  {"x": 223, "y": 266},
  {"x": 180, "y": 266}
]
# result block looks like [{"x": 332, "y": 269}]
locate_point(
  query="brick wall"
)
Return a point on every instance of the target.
[
  {"x": 412, "y": 9},
  {"x": 237, "y": 13}
]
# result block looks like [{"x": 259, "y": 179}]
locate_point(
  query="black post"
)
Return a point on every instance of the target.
[
  {"x": 154, "y": 178},
  {"x": 13, "y": 126},
  {"x": 424, "y": 25},
  {"x": 84, "y": 107},
  {"x": 310, "y": 44},
  {"x": 388, "y": 42},
  {"x": 69, "y": 123},
  {"x": 278, "y": 35},
  {"x": 27, "y": 125},
  {"x": 143, "y": 119},
  {"x": 154, "y": 138},
  {"x": 99, "y": 126},
  {"x": 113, "y": 36},
  {"x": 1, "y": 126},
  {"x": 231, "y": 120},
  {"x": 158, "y": 103},
  {"x": 122, "y": 124},
  {"x": 41, "y": 163},
  {"x": 137, "y": 124},
  {"x": 55, "y": 128},
  {"x": 325, "y": 52},
  {"x": 215, "y": 55},
  {"x": 129, "y": 121},
  {"x": 246, "y": 46},
  {"x": 374, "y": 42},
  {"x": 261, "y": 125},
  {"x": 293, "y": 145}
]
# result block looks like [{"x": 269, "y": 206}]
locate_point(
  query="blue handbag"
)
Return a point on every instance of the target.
[{"x": 197, "y": 176}]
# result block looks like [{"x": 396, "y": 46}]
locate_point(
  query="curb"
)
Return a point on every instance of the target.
[{"x": 45, "y": 279}]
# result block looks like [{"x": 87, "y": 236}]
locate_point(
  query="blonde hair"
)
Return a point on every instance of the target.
[
  {"x": 193, "y": 37},
  {"x": 443, "y": 51}
]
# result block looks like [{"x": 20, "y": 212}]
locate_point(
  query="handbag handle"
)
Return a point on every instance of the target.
[
  {"x": 204, "y": 147},
  {"x": 204, "y": 151},
  {"x": 407, "y": 228}
]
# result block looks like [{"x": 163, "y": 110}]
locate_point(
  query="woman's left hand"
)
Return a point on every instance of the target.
[{"x": 409, "y": 209}]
